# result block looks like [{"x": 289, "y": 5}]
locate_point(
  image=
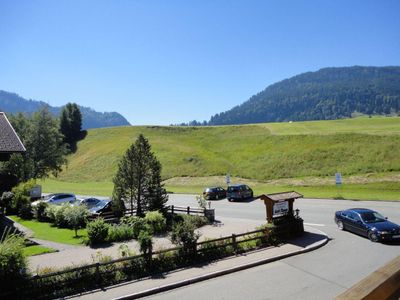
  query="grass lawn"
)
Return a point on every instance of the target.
[
  {"x": 259, "y": 151},
  {"x": 36, "y": 250},
  {"x": 45, "y": 231}
]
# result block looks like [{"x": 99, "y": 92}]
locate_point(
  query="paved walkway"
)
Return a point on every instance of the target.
[
  {"x": 311, "y": 240},
  {"x": 77, "y": 255}
]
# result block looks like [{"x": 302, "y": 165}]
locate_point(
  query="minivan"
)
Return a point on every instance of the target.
[{"x": 239, "y": 192}]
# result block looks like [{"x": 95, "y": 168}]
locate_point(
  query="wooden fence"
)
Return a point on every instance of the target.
[
  {"x": 110, "y": 217},
  {"x": 91, "y": 276}
]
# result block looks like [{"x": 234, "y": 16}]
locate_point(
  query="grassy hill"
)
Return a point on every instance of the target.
[{"x": 261, "y": 152}]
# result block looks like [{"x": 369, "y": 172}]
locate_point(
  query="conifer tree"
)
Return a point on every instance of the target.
[{"x": 138, "y": 179}]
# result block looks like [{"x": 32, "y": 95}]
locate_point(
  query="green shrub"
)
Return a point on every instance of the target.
[
  {"x": 60, "y": 220},
  {"x": 13, "y": 264},
  {"x": 197, "y": 221},
  {"x": 184, "y": 234},
  {"x": 24, "y": 207},
  {"x": 6, "y": 201},
  {"x": 173, "y": 219},
  {"x": 97, "y": 231},
  {"x": 214, "y": 250},
  {"x": 145, "y": 240},
  {"x": 22, "y": 196},
  {"x": 50, "y": 211},
  {"x": 156, "y": 221},
  {"x": 120, "y": 233},
  {"x": 138, "y": 224},
  {"x": 39, "y": 211}
]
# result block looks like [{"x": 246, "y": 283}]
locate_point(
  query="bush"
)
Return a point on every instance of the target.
[
  {"x": 156, "y": 221},
  {"x": 60, "y": 220},
  {"x": 6, "y": 201},
  {"x": 21, "y": 203},
  {"x": 50, "y": 212},
  {"x": 145, "y": 240},
  {"x": 13, "y": 264},
  {"x": 97, "y": 231},
  {"x": 39, "y": 211},
  {"x": 197, "y": 221},
  {"x": 120, "y": 233},
  {"x": 24, "y": 208},
  {"x": 138, "y": 224},
  {"x": 184, "y": 234}
]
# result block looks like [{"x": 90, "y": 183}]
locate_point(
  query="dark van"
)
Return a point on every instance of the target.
[{"x": 239, "y": 192}]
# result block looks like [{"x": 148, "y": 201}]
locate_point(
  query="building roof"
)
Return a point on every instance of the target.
[
  {"x": 283, "y": 196},
  {"x": 9, "y": 140}
]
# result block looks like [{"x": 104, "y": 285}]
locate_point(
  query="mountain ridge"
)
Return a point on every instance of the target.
[
  {"x": 327, "y": 94},
  {"x": 13, "y": 103}
]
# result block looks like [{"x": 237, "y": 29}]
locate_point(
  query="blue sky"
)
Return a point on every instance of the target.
[{"x": 164, "y": 62}]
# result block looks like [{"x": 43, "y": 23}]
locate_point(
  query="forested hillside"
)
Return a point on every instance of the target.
[
  {"x": 327, "y": 94},
  {"x": 13, "y": 103}
]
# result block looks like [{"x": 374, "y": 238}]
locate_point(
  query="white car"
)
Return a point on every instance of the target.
[{"x": 57, "y": 199}]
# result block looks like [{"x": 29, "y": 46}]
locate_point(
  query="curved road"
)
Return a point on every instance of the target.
[{"x": 320, "y": 274}]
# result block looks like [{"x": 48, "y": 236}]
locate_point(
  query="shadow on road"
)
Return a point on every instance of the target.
[{"x": 307, "y": 239}]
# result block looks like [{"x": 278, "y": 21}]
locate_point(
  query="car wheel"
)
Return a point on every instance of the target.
[
  {"x": 340, "y": 225},
  {"x": 372, "y": 236},
  {"x": 216, "y": 197},
  {"x": 229, "y": 199}
]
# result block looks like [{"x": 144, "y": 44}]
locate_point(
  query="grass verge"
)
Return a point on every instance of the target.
[
  {"x": 45, "y": 231},
  {"x": 36, "y": 250}
]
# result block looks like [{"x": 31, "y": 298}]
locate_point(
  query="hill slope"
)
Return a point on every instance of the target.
[
  {"x": 327, "y": 94},
  {"x": 259, "y": 151},
  {"x": 12, "y": 103}
]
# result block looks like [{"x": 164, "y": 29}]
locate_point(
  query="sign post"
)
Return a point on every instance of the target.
[
  {"x": 228, "y": 179},
  {"x": 338, "y": 178}
]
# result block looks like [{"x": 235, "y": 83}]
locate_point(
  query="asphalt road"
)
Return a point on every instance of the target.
[{"x": 321, "y": 274}]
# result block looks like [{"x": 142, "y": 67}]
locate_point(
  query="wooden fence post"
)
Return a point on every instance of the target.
[
  {"x": 188, "y": 210},
  {"x": 98, "y": 273},
  {"x": 234, "y": 243}
]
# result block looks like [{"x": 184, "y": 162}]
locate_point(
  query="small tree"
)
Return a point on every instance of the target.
[
  {"x": 75, "y": 217},
  {"x": 138, "y": 179}
]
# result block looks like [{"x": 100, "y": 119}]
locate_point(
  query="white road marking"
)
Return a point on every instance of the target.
[{"x": 313, "y": 224}]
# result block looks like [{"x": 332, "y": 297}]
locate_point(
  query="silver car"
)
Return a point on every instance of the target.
[{"x": 57, "y": 199}]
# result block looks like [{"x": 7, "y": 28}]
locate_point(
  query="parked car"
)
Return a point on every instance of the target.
[
  {"x": 88, "y": 202},
  {"x": 214, "y": 193},
  {"x": 57, "y": 199},
  {"x": 367, "y": 223},
  {"x": 239, "y": 192},
  {"x": 104, "y": 206}
]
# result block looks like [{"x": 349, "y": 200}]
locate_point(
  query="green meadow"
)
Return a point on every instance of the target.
[{"x": 271, "y": 155}]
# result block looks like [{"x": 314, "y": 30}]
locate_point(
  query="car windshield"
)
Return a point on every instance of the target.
[
  {"x": 372, "y": 217},
  {"x": 233, "y": 188},
  {"x": 101, "y": 204},
  {"x": 48, "y": 196}
]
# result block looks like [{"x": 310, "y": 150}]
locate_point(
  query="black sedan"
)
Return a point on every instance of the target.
[
  {"x": 214, "y": 193},
  {"x": 367, "y": 223},
  {"x": 104, "y": 206}
]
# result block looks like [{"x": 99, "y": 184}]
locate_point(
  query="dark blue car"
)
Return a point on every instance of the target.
[{"x": 367, "y": 223}]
